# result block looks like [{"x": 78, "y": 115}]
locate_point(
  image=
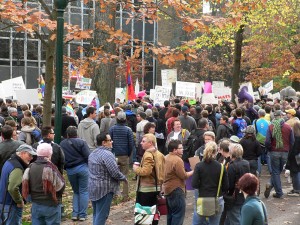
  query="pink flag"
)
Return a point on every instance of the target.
[{"x": 207, "y": 87}]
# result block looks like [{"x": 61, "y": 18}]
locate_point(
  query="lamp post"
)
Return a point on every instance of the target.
[{"x": 60, "y": 9}]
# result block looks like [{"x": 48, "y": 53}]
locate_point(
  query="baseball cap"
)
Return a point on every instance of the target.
[
  {"x": 291, "y": 111},
  {"x": 184, "y": 108},
  {"x": 234, "y": 139},
  {"x": 26, "y": 148},
  {"x": 121, "y": 116}
]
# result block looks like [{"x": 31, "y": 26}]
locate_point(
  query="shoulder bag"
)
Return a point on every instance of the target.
[{"x": 209, "y": 206}]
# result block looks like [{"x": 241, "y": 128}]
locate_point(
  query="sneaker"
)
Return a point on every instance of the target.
[
  {"x": 267, "y": 191},
  {"x": 293, "y": 193},
  {"x": 74, "y": 218},
  {"x": 82, "y": 219},
  {"x": 275, "y": 195}
]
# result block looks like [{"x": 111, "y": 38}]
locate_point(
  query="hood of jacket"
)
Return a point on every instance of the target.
[
  {"x": 27, "y": 129},
  {"x": 87, "y": 123}
]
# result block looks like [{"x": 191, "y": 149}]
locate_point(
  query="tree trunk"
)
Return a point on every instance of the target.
[
  {"x": 237, "y": 56},
  {"x": 49, "y": 82},
  {"x": 104, "y": 80}
]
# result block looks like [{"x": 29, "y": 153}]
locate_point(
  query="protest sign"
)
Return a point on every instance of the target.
[
  {"x": 85, "y": 97},
  {"x": 168, "y": 77},
  {"x": 223, "y": 93},
  {"x": 120, "y": 93},
  {"x": 217, "y": 84},
  {"x": 268, "y": 87},
  {"x": 209, "y": 98},
  {"x": 199, "y": 87},
  {"x": 161, "y": 94},
  {"x": 83, "y": 83},
  {"x": 2, "y": 94},
  {"x": 207, "y": 87},
  {"x": 185, "y": 89},
  {"x": 152, "y": 93},
  {"x": 27, "y": 96},
  {"x": 276, "y": 95},
  {"x": 11, "y": 85}
]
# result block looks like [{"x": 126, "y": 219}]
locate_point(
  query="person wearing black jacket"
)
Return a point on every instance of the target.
[
  {"x": 77, "y": 153},
  {"x": 224, "y": 129},
  {"x": 234, "y": 199}
]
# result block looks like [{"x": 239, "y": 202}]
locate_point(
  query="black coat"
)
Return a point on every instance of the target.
[{"x": 291, "y": 161}]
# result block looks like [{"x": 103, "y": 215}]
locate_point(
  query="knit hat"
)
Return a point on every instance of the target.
[
  {"x": 44, "y": 149},
  {"x": 121, "y": 116},
  {"x": 250, "y": 130},
  {"x": 26, "y": 148}
]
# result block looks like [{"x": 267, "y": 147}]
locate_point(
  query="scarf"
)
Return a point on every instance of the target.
[
  {"x": 52, "y": 180},
  {"x": 277, "y": 132}
]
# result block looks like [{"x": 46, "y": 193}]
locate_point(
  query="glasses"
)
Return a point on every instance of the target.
[{"x": 109, "y": 140}]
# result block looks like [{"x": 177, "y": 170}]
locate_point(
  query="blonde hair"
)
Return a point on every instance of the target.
[
  {"x": 236, "y": 151},
  {"x": 210, "y": 134},
  {"x": 150, "y": 138},
  {"x": 210, "y": 151}
]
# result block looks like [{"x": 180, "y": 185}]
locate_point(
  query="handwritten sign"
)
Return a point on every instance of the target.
[
  {"x": 83, "y": 83},
  {"x": 85, "y": 97},
  {"x": 120, "y": 93},
  {"x": 185, "y": 89},
  {"x": 218, "y": 84},
  {"x": 161, "y": 94},
  {"x": 209, "y": 98},
  {"x": 268, "y": 87},
  {"x": 11, "y": 85},
  {"x": 223, "y": 93},
  {"x": 168, "y": 77}
]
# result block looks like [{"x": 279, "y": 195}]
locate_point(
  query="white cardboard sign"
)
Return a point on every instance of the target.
[
  {"x": 209, "y": 98},
  {"x": 185, "y": 89},
  {"x": 161, "y": 94},
  {"x": 28, "y": 96},
  {"x": 11, "y": 85},
  {"x": 120, "y": 93},
  {"x": 85, "y": 97},
  {"x": 83, "y": 83},
  {"x": 168, "y": 77}
]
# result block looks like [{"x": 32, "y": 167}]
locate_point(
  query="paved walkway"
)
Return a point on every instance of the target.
[{"x": 280, "y": 211}]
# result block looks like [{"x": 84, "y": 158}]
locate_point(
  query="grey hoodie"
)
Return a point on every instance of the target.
[{"x": 88, "y": 130}]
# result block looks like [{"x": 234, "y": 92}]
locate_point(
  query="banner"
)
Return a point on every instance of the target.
[
  {"x": 11, "y": 85},
  {"x": 168, "y": 77},
  {"x": 83, "y": 83},
  {"x": 85, "y": 97},
  {"x": 209, "y": 98},
  {"x": 161, "y": 94},
  {"x": 28, "y": 96},
  {"x": 185, "y": 89}
]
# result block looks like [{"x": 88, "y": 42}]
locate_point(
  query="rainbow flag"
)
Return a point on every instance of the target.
[
  {"x": 70, "y": 109},
  {"x": 42, "y": 85},
  {"x": 130, "y": 95}
]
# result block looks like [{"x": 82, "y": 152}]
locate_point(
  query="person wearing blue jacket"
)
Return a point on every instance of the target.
[
  {"x": 123, "y": 146},
  {"x": 77, "y": 153}
]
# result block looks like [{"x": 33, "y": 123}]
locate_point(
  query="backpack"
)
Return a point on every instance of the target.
[
  {"x": 36, "y": 136},
  {"x": 242, "y": 125},
  {"x": 189, "y": 146},
  {"x": 229, "y": 132}
]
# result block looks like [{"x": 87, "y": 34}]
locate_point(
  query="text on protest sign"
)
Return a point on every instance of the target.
[
  {"x": 161, "y": 94},
  {"x": 85, "y": 97},
  {"x": 168, "y": 77},
  {"x": 185, "y": 89},
  {"x": 83, "y": 83}
]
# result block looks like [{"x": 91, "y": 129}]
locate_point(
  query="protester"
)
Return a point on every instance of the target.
[
  {"x": 224, "y": 130},
  {"x": 11, "y": 201},
  {"x": 253, "y": 211},
  {"x": 43, "y": 182},
  {"x": 104, "y": 177},
  {"x": 150, "y": 172},
  {"x": 234, "y": 199},
  {"x": 88, "y": 128},
  {"x": 279, "y": 141},
  {"x": 174, "y": 186},
  {"x": 239, "y": 124},
  {"x": 292, "y": 163},
  {"x": 207, "y": 175},
  {"x": 177, "y": 132},
  {"x": 66, "y": 121},
  {"x": 76, "y": 153},
  {"x": 104, "y": 124},
  {"x": 8, "y": 146},
  {"x": 251, "y": 148},
  {"x": 123, "y": 147},
  {"x": 141, "y": 119},
  {"x": 29, "y": 134},
  {"x": 187, "y": 122}
]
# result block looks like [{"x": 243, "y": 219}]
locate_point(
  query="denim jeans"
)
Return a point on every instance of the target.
[
  {"x": 101, "y": 209},
  {"x": 78, "y": 177},
  {"x": 176, "y": 207},
  {"x": 211, "y": 220},
  {"x": 45, "y": 215},
  {"x": 278, "y": 159},
  {"x": 233, "y": 215},
  {"x": 253, "y": 166},
  {"x": 14, "y": 216},
  {"x": 296, "y": 181}
]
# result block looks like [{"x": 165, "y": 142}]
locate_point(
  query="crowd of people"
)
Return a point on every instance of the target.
[{"x": 98, "y": 148}]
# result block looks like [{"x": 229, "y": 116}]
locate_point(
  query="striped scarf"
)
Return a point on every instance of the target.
[{"x": 277, "y": 132}]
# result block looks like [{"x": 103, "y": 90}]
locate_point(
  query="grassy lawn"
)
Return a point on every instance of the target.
[{"x": 68, "y": 195}]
